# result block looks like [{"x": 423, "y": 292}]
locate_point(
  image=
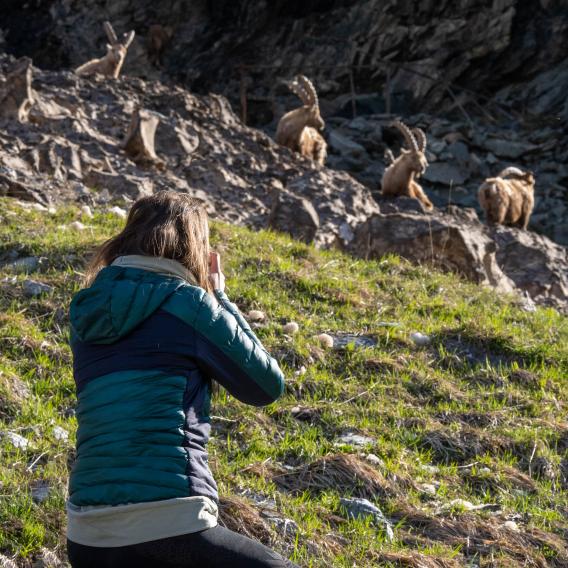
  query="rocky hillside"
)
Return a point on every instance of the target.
[
  {"x": 63, "y": 138},
  {"x": 487, "y": 80},
  {"x": 426, "y": 429}
]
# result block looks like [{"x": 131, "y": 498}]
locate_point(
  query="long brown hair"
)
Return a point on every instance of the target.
[{"x": 167, "y": 224}]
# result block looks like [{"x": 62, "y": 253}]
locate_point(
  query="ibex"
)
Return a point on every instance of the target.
[
  {"x": 400, "y": 177},
  {"x": 508, "y": 199},
  {"x": 157, "y": 39},
  {"x": 111, "y": 64},
  {"x": 298, "y": 129}
]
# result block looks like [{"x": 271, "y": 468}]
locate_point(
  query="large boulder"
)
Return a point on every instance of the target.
[
  {"x": 294, "y": 215},
  {"x": 505, "y": 258},
  {"x": 446, "y": 241},
  {"x": 534, "y": 263}
]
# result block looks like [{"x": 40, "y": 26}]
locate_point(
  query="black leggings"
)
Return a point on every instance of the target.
[{"x": 212, "y": 548}]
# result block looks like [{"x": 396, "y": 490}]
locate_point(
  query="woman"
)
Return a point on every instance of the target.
[{"x": 148, "y": 335}]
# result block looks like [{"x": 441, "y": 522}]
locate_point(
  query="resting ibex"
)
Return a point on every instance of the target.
[
  {"x": 298, "y": 129},
  {"x": 111, "y": 64},
  {"x": 399, "y": 177},
  {"x": 508, "y": 199}
]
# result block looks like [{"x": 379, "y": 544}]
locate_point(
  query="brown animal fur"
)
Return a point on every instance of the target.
[
  {"x": 298, "y": 129},
  {"x": 157, "y": 39},
  {"x": 400, "y": 177},
  {"x": 111, "y": 64},
  {"x": 508, "y": 199}
]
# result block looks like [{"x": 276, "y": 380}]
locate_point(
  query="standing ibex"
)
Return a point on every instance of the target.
[
  {"x": 298, "y": 129},
  {"x": 399, "y": 177},
  {"x": 508, "y": 199},
  {"x": 157, "y": 39},
  {"x": 111, "y": 64}
]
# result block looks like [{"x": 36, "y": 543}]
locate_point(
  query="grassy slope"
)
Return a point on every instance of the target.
[{"x": 489, "y": 391}]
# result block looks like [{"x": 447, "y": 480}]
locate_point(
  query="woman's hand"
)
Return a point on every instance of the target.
[{"x": 216, "y": 277}]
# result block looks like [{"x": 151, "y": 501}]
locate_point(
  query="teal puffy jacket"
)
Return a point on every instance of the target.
[{"x": 145, "y": 347}]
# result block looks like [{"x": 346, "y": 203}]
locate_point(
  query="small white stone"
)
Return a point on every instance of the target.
[
  {"x": 420, "y": 339},
  {"x": 256, "y": 315},
  {"x": 52, "y": 210},
  {"x": 432, "y": 469},
  {"x": 428, "y": 488},
  {"x": 325, "y": 340},
  {"x": 375, "y": 460},
  {"x": 6, "y": 562},
  {"x": 511, "y": 526},
  {"x": 467, "y": 505},
  {"x": 301, "y": 371},
  {"x": 291, "y": 327},
  {"x": 60, "y": 434},
  {"x": 86, "y": 211},
  {"x": 118, "y": 211},
  {"x": 77, "y": 226},
  {"x": 353, "y": 439},
  {"x": 19, "y": 442}
]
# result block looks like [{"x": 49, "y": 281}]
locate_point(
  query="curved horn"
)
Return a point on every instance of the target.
[
  {"x": 110, "y": 33},
  {"x": 389, "y": 156},
  {"x": 310, "y": 90},
  {"x": 299, "y": 91},
  {"x": 511, "y": 171},
  {"x": 420, "y": 138},
  {"x": 408, "y": 136},
  {"x": 128, "y": 39}
]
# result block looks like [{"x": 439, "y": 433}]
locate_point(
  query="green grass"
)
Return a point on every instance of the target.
[{"x": 480, "y": 413}]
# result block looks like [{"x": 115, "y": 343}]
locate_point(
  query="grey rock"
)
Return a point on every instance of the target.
[
  {"x": 24, "y": 265},
  {"x": 506, "y": 258},
  {"x": 460, "y": 152},
  {"x": 437, "y": 239},
  {"x": 34, "y": 288},
  {"x": 119, "y": 184},
  {"x": 40, "y": 491},
  {"x": 294, "y": 215},
  {"x": 285, "y": 527},
  {"x": 534, "y": 263},
  {"x": 344, "y": 145},
  {"x": 341, "y": 340},
  {"x": 356, "y": 508},
  {"x": 445, "y": 173},
  {"x": 353, "y": 439},
  {"x": 17, "y": 441},
  {"x": 508, "y": 148}
]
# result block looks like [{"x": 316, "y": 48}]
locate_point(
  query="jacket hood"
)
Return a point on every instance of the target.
[{"x": 118, "y": 300}]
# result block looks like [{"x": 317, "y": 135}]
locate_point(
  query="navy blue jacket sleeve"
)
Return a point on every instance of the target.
[{"x": 227, "y": 351}]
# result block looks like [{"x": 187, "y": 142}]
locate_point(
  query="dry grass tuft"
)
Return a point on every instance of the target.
[
  {"x": 414, "y": 560},
  {"x": 345, "y": 473},
  {"x": 463, "y": 445},
  {"x": 240, "y": 516},
  {"x": 484, "y": 537}
]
